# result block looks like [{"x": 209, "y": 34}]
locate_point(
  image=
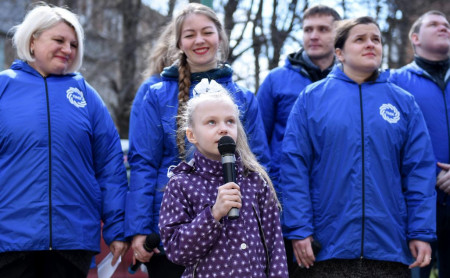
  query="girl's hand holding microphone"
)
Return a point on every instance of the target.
[{"x": 228, "y": 196}]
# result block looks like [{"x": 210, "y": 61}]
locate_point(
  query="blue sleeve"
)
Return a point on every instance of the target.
[
  {"x": 419, "y": 180},
  {"x": 254, "y": 129},
  {"x": 136, "y": 107},
  {"x": 145, "y": 154},
  {"x": 297, "y": 159},
  {"x": 266, "y": 103},
  {"x": 109, "y": 168},
  {"x": 138, "y": 98}
]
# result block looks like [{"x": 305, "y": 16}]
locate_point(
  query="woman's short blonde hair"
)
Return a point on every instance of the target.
[{"x": 39, "y": 19}]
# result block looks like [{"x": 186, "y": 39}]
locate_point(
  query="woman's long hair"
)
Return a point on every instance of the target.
[{"x": 184, "y": 72}]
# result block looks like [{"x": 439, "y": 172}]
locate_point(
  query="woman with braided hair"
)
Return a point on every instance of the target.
[{"x": 154, "y": 143}]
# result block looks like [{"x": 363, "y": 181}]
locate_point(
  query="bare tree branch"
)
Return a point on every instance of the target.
[
  {"x": 130, "y": 10},
  {"x": 171, "y": 8},
  {"x": 279, "y": 36},
  {"x": 258, "y": 40},
  {"x": 230, "y": 24}
]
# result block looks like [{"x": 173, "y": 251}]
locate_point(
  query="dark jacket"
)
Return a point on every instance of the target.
[{"x": 226, "y": 248}]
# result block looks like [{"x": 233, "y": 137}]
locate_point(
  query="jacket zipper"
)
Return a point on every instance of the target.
[
  {"x": 49, "y": 167},
  {"x": 195, "y": 269},
  {"x": 263, "y": 240},
  {"x": 363, "y": 173},
  {"x": 448, "y": 133}
]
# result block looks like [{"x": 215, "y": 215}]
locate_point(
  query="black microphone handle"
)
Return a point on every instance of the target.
[
  {"x": 151, "y": 241},
  {"x": 134, "y": 267},
  {"x": 229, "y": 175}
]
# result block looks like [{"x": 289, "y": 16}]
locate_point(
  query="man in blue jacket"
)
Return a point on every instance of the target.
[
  {"x": 427, "y": 78},
  {"x": 282, "y": 85}
]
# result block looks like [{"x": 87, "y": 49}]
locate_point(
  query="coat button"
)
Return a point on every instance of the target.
[{"x": 243, "y": 246}]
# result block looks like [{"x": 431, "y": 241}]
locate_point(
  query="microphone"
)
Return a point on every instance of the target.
[
  {"x": 227, "y": 147},
  {"x": 151, "y": 241}
]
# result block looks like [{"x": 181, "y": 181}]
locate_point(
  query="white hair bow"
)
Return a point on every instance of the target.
[{"x": 206, "y": 86}]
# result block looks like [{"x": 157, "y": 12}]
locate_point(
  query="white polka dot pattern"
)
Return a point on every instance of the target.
[{"x": 229, "y": 248}]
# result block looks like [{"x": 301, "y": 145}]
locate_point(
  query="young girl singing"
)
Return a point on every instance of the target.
[{"x": 194, "y": 226}]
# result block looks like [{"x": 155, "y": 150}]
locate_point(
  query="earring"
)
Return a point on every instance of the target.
[{"x": 32, "y": 52}]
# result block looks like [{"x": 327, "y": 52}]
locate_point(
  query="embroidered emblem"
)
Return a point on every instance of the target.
[
  {"x": 390, "y": 113},
  {"x": 75, "y": 96}
]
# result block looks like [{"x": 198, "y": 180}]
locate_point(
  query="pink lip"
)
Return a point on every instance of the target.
[
  {"x": 62, "y": 58},
  {"x": 370, "y": 54},
  {"x": 201, "y": 51}
]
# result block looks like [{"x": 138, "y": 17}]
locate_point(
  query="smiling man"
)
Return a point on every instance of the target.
[
  {"x": 427, "y": 78},
  {"x": 282, "y": 85}
]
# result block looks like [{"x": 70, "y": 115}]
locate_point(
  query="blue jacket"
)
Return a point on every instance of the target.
[
  {"x": 61, "y": 164},
  {"x": 358, "y": 170},
  {"x": 153, "y": 147},
  {"x": 138, "y": 99},
  {"x": 276, "y": 96},
  {"x": 435, "y": 106}
]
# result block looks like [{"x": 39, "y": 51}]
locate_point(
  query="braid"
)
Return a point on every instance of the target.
[{"x": 184, "y": 82}]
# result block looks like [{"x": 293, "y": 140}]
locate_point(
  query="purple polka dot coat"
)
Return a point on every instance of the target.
[{"x": 250, "y": 246}]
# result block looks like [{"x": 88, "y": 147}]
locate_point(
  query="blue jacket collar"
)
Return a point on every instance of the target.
[
  {"x": 338, "y": 73},
  {"x": 414, "y": 68},
  {"x": 224, "y": 71},
  {"x": 24, "y": 66}
]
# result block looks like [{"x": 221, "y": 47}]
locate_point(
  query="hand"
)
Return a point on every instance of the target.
[
  {"x": 139, "y": 252},
  {"x": 118, "y": 248},
  {"x": 228, "y": 196},
  {"x": 443, "y": 179},
  {"x": 303, "y": 252},
  {"x": 421, "y": 251}
]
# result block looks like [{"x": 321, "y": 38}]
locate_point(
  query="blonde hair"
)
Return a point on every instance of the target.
[
  {"x": 248, "y": 159},
  {"x": 41, "y": 18},
  {"x": 184, "y": 72},
  {"x": 162, "y": 53}
]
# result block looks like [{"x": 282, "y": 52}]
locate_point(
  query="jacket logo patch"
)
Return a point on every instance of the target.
[
  {"x": 76, "y": 97},
  {"x": 390, "y": 113}
]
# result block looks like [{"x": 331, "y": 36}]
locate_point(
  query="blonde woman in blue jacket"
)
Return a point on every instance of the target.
[
  {"x": 61, "y": 164},
  {"x": 358, "y": 168}
]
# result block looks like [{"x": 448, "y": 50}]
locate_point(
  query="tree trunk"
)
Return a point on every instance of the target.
[
  {"x": 128, "y": 81},
  {"x": 258, "y": 37}
]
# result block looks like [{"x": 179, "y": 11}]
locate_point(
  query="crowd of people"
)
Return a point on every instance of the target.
[{"x": 341, "y": 169}]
